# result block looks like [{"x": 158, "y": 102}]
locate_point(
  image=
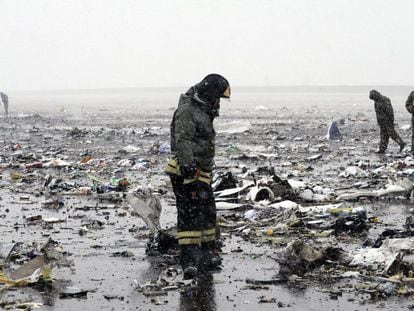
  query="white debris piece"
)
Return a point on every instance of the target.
[
  {"x": 320, "y": 209},
  {"x": 314, "y": 157},
  {"x": 251, "y": 214},
  {"x": 223, "y": 206},
  {"x": 309, "y": 196},
  {"x": 284, "y": 205},
  {"x": 297, "y": 184},
  {"x": 56, "y": 163},
  {"x": 384, "y": 255},
  {"x": 232, "y": 191},
  {"x": 234, "y": 127},
  {"x": 353, "y": 171},
  {"x": 306, "y": 195},
  {"x": 405, "y": 127},
  {"x": 125, "y": 163},
  {"x": 409, "y": 161},
  {"x": 261, "y": 108},
  {"x": 401, "y": 186},
  {"x": 131, "y": 149}
]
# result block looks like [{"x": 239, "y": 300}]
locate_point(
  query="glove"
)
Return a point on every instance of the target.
[{"x": 188, "y": 171}]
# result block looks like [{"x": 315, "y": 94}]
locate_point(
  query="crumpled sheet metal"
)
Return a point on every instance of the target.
[
  {"x": 27, "y": 274},
  {"x": 389, "y": 190},
  {"x": 232, "y": 191},
  {"x": 384, "y": 255},
  {"x": 37, "y": 267},
  {"x": 394, "y": 187},
  {"x": 147, "y": 205},
  {"x": 260, "y": 193},
  {"x": 33, "y": 278}
]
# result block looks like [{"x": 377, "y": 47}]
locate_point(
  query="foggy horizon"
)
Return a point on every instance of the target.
[
  {"x": 101, "y": 44},
  {"x": 238, "y": 87}
]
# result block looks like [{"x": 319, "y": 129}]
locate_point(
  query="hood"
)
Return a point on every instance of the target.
[
  {"x": 374, "y": 94},
  {"x": 377, "y": 96}
]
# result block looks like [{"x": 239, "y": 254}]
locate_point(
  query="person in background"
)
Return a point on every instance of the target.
[
  {"x": 190, "y": 170},
  {"x": 385, "y": 118},
  {"x": 5, "y": 100},
  {"x": 410, "y": 108}
]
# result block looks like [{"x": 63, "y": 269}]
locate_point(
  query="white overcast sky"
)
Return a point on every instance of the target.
[{"x": 71, "y": 44}]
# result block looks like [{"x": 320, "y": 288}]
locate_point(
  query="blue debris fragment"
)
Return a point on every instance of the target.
[{"x": 333, "y": 131}]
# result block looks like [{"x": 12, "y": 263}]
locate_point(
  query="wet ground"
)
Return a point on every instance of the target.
[{"x": 289, "y": 126}]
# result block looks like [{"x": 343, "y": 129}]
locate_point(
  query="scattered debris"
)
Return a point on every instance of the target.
[
  {"x": 73, "y": 292},
  {"x": 331, "y": 213}
]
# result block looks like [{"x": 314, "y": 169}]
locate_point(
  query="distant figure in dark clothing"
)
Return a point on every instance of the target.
[
  {"x": 385, "y": 118},
  {"x": 5, "y": 100},
  {"x": 410, "y": 108}
]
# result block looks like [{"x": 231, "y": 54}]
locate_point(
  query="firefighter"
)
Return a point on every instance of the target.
[
  {"x": 410, "y": 108},
  {"x": 385, "y": 118},
  {"x": 190, "y": 170}
]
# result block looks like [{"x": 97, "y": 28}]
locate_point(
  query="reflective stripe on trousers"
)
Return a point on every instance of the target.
[{"x": 196, "y": 237}]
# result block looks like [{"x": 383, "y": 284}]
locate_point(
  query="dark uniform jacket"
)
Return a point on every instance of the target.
[
  {"x": 409, "y": 103},
  {"x": 384, "y": 111},
  {"x": 192, "y": 132}
]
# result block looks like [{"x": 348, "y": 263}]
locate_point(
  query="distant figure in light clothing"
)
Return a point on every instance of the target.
[{"x": 5, "y": 100}]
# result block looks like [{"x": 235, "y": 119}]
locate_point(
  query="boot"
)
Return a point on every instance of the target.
[
  {"x": 190, "y": 273},
  {"x": 190, "y": 260},
  {"x": 210, "y": 259}
]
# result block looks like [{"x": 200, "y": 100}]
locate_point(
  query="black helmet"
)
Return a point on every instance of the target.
[{"x": 213, "y": 87}]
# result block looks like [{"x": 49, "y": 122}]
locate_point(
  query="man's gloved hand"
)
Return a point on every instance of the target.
[{"x": 188, "y": 171}]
